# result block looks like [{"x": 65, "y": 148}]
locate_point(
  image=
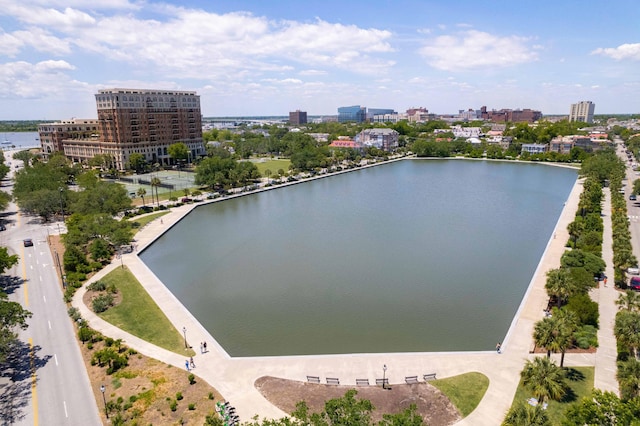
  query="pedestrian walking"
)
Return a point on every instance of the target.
[
  {"x": 605, "y": 281},
  {"x": 201, "y": 348},
  {"x": 193, "y": 365},
  {"x": 205, "y": 346},
  {"x": 186, "y": 364},
  {"x": 498, "y": 346}
]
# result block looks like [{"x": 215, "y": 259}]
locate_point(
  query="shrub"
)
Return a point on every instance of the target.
[
  {"x": 192, "y": 407},
  {"x": 585, "y": 309},
  {"x": 85, "y": 334},
  {"x": 173, "y": 405},
  {"x": 90, "y": 346},
  {"x": 179, "y": 396},
  {"x": 74, "y": 313},
  {"x": 112, "y": 288},
  {"x": 102, "y": 303},
  {"x": 133, "y": 398},
  {"x": 68, "y": 294},
  {"x": 586, "y": 337},
  {"x": 211, "y": 395},
  {"x": 192, "y": 379},
  {"x": 97, "y": 286}
]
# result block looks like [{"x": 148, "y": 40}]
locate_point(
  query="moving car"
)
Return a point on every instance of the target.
[{"x": 28, "y": 242}]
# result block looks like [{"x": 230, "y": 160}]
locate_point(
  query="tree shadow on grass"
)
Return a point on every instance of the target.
[{"x": 574, "y": 375}]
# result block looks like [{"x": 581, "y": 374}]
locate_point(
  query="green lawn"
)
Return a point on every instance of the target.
[
  {"x": 146, "y": 219},
  {"x": 464, "y": 391},
  {"x": 273, "y": 165},
  {"x": 139, "y": 315},
  {"x": 580, "y": 382}
]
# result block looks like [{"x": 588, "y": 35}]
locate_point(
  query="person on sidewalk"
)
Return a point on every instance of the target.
[
  {"x": 205, "y": 347},
  {"x": 193, "y": 364},
  {"x": 201, "y": 348},
  {"x": 186, "y": 364},
  {"x": 498, "y": 346}
]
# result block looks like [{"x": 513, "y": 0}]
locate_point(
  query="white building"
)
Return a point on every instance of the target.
[{"x": 582, "y": 111}]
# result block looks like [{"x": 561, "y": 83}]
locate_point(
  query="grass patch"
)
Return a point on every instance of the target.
[
  {"x": 464, "y": 391},
  {"x": 146, "y": 219},
  {"x": 139, "y": 315},
  {"x": 273, "y": 165},
  {"x": 580, "y": 383}
]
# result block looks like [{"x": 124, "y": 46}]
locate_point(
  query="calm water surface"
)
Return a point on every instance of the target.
[{"x": 425, "y": 255}]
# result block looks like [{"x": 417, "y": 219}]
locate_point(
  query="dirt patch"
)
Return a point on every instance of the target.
[{"x": 432, "y": 405}]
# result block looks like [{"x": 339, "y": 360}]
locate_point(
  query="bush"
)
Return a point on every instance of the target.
[
  {"x": 192, "y": 407},
  {"x": 585, "y": 309},
  {"x": 586, "y": 337},
  {"x": 211, "y": 395},
  {"x": 97, "y": 286},
  {"x": 68, "y": 294},
  {"x": 102, "y": 303},
  {"x": 74, "y": 313},
  {"x": 173, "y": 405},
  {"x": 179, "y": 396},
  {"x": 192, "y": 379},
  {"x": 85, "y": 334}
]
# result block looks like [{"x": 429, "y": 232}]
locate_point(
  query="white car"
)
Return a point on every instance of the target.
[{"x": 634, "y": 270}]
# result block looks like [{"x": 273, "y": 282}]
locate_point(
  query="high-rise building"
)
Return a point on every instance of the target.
[
  {"x": 352, "y": 113},
  {"x": 582, "y": 111},
  {"x": 141, "y": 121},
  {"x": 297, "y": 117}
]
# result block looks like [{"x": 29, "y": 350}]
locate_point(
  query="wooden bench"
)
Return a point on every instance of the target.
[
  {"x": 313, "y": 379},
  {"x": 411, "y": 379},
  {"x": 362, "y": 382},
  {"x": 431, "y": 376},
  {"x": 333, "y": 381},
  {"x": 382, "y": 382}
]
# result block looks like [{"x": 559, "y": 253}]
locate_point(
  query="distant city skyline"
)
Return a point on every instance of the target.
[{"x": 256, "y": 58}]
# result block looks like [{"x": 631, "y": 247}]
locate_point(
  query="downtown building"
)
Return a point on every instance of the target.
[
  {"x": 52, "y": 135},
  {"x": 140, "y": 121},
  {"x": 297, "y": 117},
  {"x": 582, "y": 111},
  {"x": 510, "y": 115}
]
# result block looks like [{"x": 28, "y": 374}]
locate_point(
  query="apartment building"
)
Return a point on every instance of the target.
[
  {"x": 52, "y": 134},
  {"x": 582, "y": 111},
  {"x": 385, "y": 139},
  {"x": 297, "y": 117},
  {"x": 141, "y": 121}
]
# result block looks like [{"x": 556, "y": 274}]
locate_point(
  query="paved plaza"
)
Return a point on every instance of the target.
[{"x": 235, "y": 377}]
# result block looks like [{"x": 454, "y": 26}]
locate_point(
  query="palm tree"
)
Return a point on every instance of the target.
[
  {"x": 155, "y": 183},
  {"x": 543, "y": 334},
  {"x": 522, "y": 414},
  {"x": 267, "y": 173},
  {"x": 566, "y": 322},
  {"x": 559, "y": 284},
  {"x": 629, "y": 378},
  {"x": 141, "y": 193},
  {"x": 629, "y": 300},
  {"x": 544, "y": 378},
  {"x": 627, "y": 330}
]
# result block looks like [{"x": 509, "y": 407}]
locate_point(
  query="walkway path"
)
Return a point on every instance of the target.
[{"x": 234, "y": 377}]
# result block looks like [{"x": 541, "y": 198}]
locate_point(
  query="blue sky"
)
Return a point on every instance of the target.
[{"x": 270, "y": 57}]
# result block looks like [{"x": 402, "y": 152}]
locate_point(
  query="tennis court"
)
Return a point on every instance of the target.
[{"x": 171, "y": 181}]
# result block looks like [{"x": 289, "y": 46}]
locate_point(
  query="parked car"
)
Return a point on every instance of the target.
[
  {"x": 28, "y": 242},
  {"x": 2, "y": 227},
  {"x": 632, "y": 197},
  {"x": 634, "y": 284}
]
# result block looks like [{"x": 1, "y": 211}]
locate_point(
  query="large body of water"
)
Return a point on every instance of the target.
[
  {"x": 19, "y": 140},
  {"x": 430, "y": 255}
]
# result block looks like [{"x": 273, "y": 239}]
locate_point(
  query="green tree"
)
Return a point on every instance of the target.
[
  {"x": 566, "y": 324},
  {"x": 629, "y": 300},
  {"x": 12, "y": 316},
  {"x": 559, "y": 285},
  {"x": 629, "y": 378},
  {"x": 544, "y": 379},
  {"x": 627, "y": 331},
  {"x": 178, "y": 151},
  {"x": 137, "y": 162},
  {"x": 141, "y": 193},
  {"x": 602, "y": 408},
  {"x": 155, "y": 183},
  {"x": 37, "y": 189},
  {"x": 544, "y": 334},
  {"x": 521, "y": 414},
  {"x": 103, "y": 197}
]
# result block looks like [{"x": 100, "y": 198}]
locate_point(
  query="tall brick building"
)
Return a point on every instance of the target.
[{"x": 511, "y": 115}]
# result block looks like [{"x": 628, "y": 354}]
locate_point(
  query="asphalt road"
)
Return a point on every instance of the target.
[{"x": 44, "y": 382}]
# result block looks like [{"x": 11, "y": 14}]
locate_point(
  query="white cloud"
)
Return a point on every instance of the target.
[
  {"x": 476, "y": 49},
  {"x": 41, "y": 80},
  {"x": 312, "y": 72},
  {"x": 624, "y": 51}
]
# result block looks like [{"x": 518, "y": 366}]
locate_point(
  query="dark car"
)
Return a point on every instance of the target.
[
  {"x": 2, "y": 227},
  {"x": 634, "y": 284},
  {"x": 632, "y": 197},
  {"x": 28, "y": 242}
]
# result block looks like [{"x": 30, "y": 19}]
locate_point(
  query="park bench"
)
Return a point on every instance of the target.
[
  {"x": 430, "y": 376},
  {"x": 382, "y": 382},
  {"x": 362, "y": 382},
  {"x": 333, "y": 381},
  {"x": 411, "y": 379},
  {"x": 313, "y": 379}
]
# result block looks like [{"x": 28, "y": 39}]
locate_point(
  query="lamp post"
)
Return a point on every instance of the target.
[
  {"x": 102, "y": 389},
  {"x": 184, "y": 331},
  {"x": 384, "y": 374},
  {"x": 61, "y": 189}
]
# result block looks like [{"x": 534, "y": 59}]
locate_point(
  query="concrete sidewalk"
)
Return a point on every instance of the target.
[{"x": 235, "y": 377}]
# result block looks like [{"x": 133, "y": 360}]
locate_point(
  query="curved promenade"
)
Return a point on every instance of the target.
[{"x": 235, "y": 377}]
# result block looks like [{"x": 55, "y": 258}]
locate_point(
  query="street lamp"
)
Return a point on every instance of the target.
[
  {"x": 384, "y": 374},
  {"x": 184, "y": 331},
  {"x": 61, "y": 189},
  {"x": 102, "y": 389}
]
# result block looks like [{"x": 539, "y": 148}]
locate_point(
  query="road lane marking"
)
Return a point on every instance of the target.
[
  {"x": 45, "y": 299},
  {"x": 49, "y": 324},
  {"x": 34, "y": 391},
  {"x": 40, "y": 278},
  {"x": 65, "y": 408},
  {"x": 24, "y": 279},
  {"x": 56, "y": 358}
]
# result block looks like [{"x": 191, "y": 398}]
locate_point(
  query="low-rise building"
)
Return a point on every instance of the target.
[
  {"x": 535, "y": 148},
  {"x": 52, "y": 134},
  {"x": 382, "y": 138}
]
